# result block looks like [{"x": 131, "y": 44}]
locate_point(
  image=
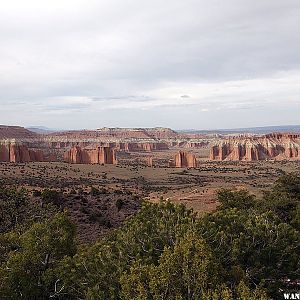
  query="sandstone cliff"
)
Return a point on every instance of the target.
[
  {"x": 119, "y": 133},
  {"x": 100, "y": 155},
  {"x": 150, "y": 161},
  {"x": 136, "y": 147},
  {"x": 185, "y": 160},
  {"x": 10, "y": 151},
  {"x": 277, "y": 146}
]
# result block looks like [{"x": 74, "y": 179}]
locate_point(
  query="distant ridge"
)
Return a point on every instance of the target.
[
  {"x": 15, "y": 132},
  {"x": 41, "y": 129},
  {"x": 155, "y": 132},
  {"x": 254, "y": 130}
]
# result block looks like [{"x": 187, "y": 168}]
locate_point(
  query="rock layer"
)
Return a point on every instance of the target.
[
  {"x": 136, "y": 147},
  {"x": 119, "y": 133},
  {"x": 100, "y": 155},
  {"x": 149, "y": 161},
  {"x": 185, "y": 160},
  {"x": 277, "y": 146},
  {"x": 11, "y": 151}
]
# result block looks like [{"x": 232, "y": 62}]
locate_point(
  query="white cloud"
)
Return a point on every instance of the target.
[{"x": 81, "y": 57}]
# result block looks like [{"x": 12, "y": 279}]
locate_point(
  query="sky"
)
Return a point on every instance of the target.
[{"x": 192, "y": 64}]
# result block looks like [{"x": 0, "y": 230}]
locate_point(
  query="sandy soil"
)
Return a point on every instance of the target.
[{"x": 195, "y": 187}]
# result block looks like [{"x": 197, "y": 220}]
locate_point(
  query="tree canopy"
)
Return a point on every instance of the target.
[{"x": 247, "y": 249}]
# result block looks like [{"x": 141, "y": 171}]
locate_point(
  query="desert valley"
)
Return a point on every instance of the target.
[
  {"x": 154, "y": 163},
  {"x": 109, "y": 185},
  {"x": 149, "y": 150}
]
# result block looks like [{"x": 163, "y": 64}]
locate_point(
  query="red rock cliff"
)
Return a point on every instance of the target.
[
  {"x": 11, "y": 151},
  {"x": 100, "y": 155},
  {"x": 136, "y": 147},
  {"x": 185, "y": 160},
  {"x": 149, "y": 161},
  {"x": 277, "y": 146}
]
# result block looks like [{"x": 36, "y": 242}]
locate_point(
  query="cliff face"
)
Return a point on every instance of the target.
[
  {"x": 13, "y": 152},
  {"x": 15, "y": 132},
  {"x": 100, "y": 155},
  {"x": 4, "y": 153},
  {"x": 136, "y": 147},
  {"x": 277, "y": 146},
  {"x": 119, "y": 133},
  {"x": 125, "y": 146},
  {"x": 125, "y": 139},
  {"x": 149, "y": 161},
  {"x": 185, "y": 160},
  {"x": 189, "y": 144}
]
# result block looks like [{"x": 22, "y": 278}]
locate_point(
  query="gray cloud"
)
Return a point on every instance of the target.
[{"x": 99, "y": 62}]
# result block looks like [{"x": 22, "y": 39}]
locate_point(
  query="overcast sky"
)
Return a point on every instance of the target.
[{"x": 201, "y": 64}]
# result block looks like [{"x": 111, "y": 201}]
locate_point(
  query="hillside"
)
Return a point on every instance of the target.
[{"x": 15, "y": 132}]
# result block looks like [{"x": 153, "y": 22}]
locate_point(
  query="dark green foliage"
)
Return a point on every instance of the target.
[
  {"x": 143, "y": 237},
  {"x": 94, "y": 191},
  {"x": 27, "y": 272},
  {"x": 257, "y": 243},
  {"x": 284, "y": 199},
  {"x": 12, "y": 203},
  {"x": 295, "y": 222},
  {"x": 184, "y": 271},
  {"x": 119, "y": 204},
  {"x": 36, "y": 193},
  {"x": 241, "y": 199},
  {"x": 157, "y": 254},
  {"x": 156, "y": 226},
  {"x": 97, "y": 217},
  {"x": 17, "y": 211},
  {"x": 51, "y": 196},
  {"x": 259, "y": 235},
  {"x": 247, "y": 248},
  {"x": 289, "y": 184},
  {"x": 118, "y": 192}
]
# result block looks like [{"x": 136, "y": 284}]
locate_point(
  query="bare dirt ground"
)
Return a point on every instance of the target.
[{"x": 195, "y": 187}]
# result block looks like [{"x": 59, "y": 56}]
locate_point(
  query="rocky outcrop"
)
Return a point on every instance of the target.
[
  {"x": 276, "y": 146},
  {"x": 38, "y": 155},
  {"x": 119, "y": 133},
  {"x": 100, "y": 155},
  {"x": 128, "y": 139},
  {"x": 185, "y": 160},
  {"x": 76, "y": 156},
  {"x": 15, "y": 132},
  {"x": 103, "y": 155},
  {"x": 10, "y": 151},
  {"x": 121, "y": 139},
  {"x": 188, "y": 144},
  {"x": 149, "y": 161},
  {"x": 51, "y": 143},
  {"x": 4, "y": 153},
  {"x": 137, "y": 147}
]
